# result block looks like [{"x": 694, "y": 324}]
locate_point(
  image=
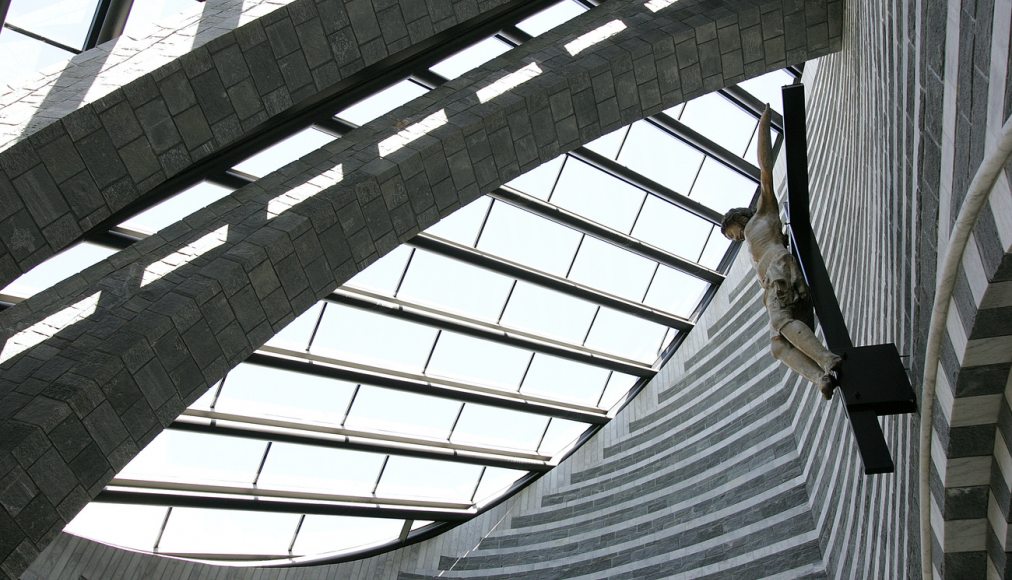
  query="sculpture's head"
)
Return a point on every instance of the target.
[{"x": 733, "y": 224}]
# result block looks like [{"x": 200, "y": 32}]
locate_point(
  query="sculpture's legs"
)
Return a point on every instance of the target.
[
  {"x": 802, "y": 337},
  {"x": 802, "y": 364}
]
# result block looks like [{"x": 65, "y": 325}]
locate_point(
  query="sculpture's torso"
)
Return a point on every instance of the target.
[{"x": 786, "y": 295}]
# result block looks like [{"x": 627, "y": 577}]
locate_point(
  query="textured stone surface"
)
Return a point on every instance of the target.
[{"x": 131, "y": 114}]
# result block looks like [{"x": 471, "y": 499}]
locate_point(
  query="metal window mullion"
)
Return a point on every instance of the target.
[
  {"x": 261, "y": 428},
  {"x": 108, "y": 22},
  {"x": 453, "y": 427},
  {"x": 477, "y": 484},
  {"x": 295, "y": 535},
  {"x": 316, "y": 327},
  {"x": 590, "y": 326},
  {"x": 704, "y": 144},
  {"x": 404, "y": 272},
  {"x": 484, "y": 222},
  {"x": 351, "y": 402},
  {"x": 263, "y": 461},
  {"x": 558, "y": 177},
  {"x": 417, "y": 510},
  {"x": 412, "y": 382},
  {"x": 41, "y": 38},
  {"x": 432, "y": 350},
  {"x": 161, "y": 530},
  {"x": 514, "y": 270},
  {"x": 625, "y": 241},
  {"x": 464, "y": 325},
  {"x": 405, "y": 530},
  {"x": 604, "y": 388},
  {"x": 544, "y": 433},
  {"x": 502, "y": 311},
  {"x": 380, "y": 476},
  {"x": 631, "y": 177},
  {"x": 527, "y": 369}
]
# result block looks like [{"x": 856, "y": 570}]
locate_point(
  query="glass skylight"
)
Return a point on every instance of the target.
[{"x": 368, "y": 405}]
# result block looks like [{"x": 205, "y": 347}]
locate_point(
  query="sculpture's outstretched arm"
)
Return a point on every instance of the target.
[{"x": 767, "y": 198}]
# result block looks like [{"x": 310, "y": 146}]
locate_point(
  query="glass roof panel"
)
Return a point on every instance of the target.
[
  {"x": 309, "y": 468},
  {"x": 383, "y": 275},
  {"x": 767, "y": 88},
  {"x": 720, "y": 120},
  {"x": 381, "y": 409},
  {"x": 675, "y": 291},
  {"x": 597, "y": 196},
  {"x": 672, "y": 228},
  {"x": 428, "y": 478},
  {"x": 130, "y": 526},
  {"x": 455, "y": 286},
  {"x": 463, "y": 225},
  {"x": 618, "y": 385},
  {"x": 610, "y": 144},
  {"x": 475, "y": 55},
  {"x": 655, "y": 154},
  {"x": 349, "y": 333},
  {"x": 721, "y": 188},
  {"x": 624, "y": 335},
  {"x": 268, "y": 392},
  {"x": 565, "y": 380},
  {"x": 494, "y": 481},
  {"x": 56, "y": 269},
  {"x": 548, "y": 313},
  {"x": 538, "y": 182},
  {"x": 612, "y": 269},
  {"x": 298, "y": 332},
  {"x": 523, "y": 237},
  {"x": 284, "y": 152},
  {"x": 33, "y": 56},
  {"x": 480, "y": 361},
  {"x": 561, "y": 434},
  {"x": 176, "y": 207},
  {"x": 65, "y": 21},
  {"x": 322, "y": 534},
  {"x": 484, "y": 425},
  {"x": 143, "y": 14},
  {"x": 547, "y": 19},
  {"x": 195, "y": 457},
  {"x": 203, "y": 531},
  {"x": 382, "y": 102},
  {"x": 715, "y": 249}
]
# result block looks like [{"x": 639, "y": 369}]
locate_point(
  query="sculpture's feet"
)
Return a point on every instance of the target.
[
  {"x": 826, "y": 386},
  {"x": 832, "y": 364}
]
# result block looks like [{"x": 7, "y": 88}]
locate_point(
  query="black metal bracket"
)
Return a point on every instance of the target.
[{"x": 872, "y": 378}]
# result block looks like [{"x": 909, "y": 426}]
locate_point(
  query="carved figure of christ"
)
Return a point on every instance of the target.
[{"x": 785, "y": 293}]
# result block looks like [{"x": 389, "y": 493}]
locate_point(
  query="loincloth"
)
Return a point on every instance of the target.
[{"x": 785, "y": 294}]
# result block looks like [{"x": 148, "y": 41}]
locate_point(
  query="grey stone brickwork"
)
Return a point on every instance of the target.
[
  {"x": 81, "y": 143},
  {"x": 81, "y": 403}
]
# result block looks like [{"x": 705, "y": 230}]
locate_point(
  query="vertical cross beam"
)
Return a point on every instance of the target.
[{"x": 853, "y": 383}]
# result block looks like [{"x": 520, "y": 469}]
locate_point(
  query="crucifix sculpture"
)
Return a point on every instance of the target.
[
  {"x": 794, "y": 278},
  {"x": 785, "y": 292}
]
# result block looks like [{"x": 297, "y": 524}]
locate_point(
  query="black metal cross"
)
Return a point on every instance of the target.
[{"x": 872, "y": 378}]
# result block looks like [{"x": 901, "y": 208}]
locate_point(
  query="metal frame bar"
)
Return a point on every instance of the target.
[
  {"x": 705, "y": 145},
  {"x": 746, "y": 101},
  {"x": 269, "y": 429},
  {"x": 420, "y": 384},
  {"x": 40, "y": 38},
  {"x": 443, "y": 320},
  {"x": 259, "y": 500},
  {"x": 488, "y": 261},
  {"x": 624, "y": 241},
  {"x": 631, "y": 177},
  {"x": 109, "y": 21}
]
